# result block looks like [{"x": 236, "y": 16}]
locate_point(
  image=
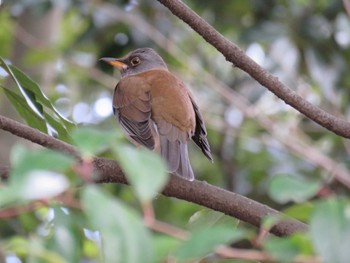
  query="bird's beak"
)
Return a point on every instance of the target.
[{"x": 115, "y": 62}]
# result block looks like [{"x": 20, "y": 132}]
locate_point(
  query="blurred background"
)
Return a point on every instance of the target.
[{"x": 253, "y": 135}]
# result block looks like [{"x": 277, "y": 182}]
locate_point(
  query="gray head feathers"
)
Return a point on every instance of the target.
[{"x": 140, "y": 60}]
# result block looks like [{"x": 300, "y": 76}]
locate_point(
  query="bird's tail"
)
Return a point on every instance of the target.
[{"x": 176, "y": 155}]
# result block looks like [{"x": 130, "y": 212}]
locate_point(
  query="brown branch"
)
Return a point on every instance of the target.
[
  {"x": 34, "y": 135},
  {"x": 235, "y": 55},
  {"x": 197, "y": 192}
]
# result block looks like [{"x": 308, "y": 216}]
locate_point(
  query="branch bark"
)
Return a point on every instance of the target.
[
  {"x": 235, "y": 55},
  {"x": 197, "y": 192}
]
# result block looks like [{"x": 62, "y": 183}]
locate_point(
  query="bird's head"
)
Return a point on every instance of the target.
[{"x": 137, "y": 61}]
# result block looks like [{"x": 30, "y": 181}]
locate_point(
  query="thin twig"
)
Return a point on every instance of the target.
[{"x": 167, "y": 229}]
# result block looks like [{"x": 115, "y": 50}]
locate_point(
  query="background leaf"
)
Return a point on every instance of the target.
[
  {"x": 65, "y": 239},
  {"x": 32, "y": 89},
  {"x": 285, "y": 188},
  {"x": 36, "y": 105},
  {"x": 205, "y": 240},
  {"x": 26, "y": 112},
  {"x": 330, "y": 230},
  {"x": 92, "y": 141},
  {"x": 144, "y": 169},
  {"x": 285, "y": 249},
  {"x": 124, "y": 237},
  {"x": 206, "y": 218},
  {"x": 35, "y": 175}
]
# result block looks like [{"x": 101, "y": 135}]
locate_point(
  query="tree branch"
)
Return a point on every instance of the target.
[
  {"x": 235, "y": 55},
  {"x": 36, "y": 136},
  {"x": 197, "y": 192}
]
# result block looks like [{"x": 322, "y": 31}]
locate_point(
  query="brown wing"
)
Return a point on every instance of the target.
[
  {"x": 200, "y": 134},
  {"x": 132, "y": 108}
]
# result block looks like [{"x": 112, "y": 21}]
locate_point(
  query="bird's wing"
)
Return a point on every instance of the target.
[
  {"x": 200, "y": 133},
  {"x": 132, "y": 108},
  {"x": 174, "y": 116}
]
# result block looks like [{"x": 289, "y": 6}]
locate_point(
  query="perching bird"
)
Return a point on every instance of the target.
[{"x": 156, "y": 109}]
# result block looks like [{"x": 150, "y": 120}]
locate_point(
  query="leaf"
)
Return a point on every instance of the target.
[
  {"x": 35, "y": 100},
  {"x": 34, "y": 175},
  {"x": 282, "y": 249},
  {"x": 61, "y": 130},
  {"x": 164, "y": 245},
  {"x": 33, "y": 249},
  {"x": 26, "y": 112},
  {"x": 144, "y": 169},
  {"x": 124, "y": 237},
  {"x": 285, "y": 188},
  {"x": 65, "y": 239},
  {"x": 206, "y": 218},
  {"x": 330, "y": 230},
  {"x": 32, "y": 89},
  {"x": 287, "y": 248},
  {"x": 270, "y": 220},
  {"x": 91, "y": 141},
  {"x": 301, "y": 211},
  {"x": 25, "y": 160},
  {"x": 205, "y": 240},
  {"x": 90, "y": 249}
]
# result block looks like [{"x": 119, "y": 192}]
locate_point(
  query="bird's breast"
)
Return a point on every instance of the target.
[{"x": 170, "y": 100}]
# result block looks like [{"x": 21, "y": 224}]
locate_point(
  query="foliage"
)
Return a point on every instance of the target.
[{"x": 50, "y": 213}]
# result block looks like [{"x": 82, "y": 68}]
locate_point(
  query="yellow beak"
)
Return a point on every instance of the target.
[{"x": 115, "y": 62}]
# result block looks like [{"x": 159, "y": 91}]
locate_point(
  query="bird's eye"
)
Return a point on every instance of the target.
[{"x": 135, "y": 61}]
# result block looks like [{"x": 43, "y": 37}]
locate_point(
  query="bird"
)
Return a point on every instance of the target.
[{"x": 157, "y": 110}]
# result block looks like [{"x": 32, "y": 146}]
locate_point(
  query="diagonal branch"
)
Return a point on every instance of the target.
[
  {"x": 197, "y": 192},
  {"x": 235, "y": 55}
]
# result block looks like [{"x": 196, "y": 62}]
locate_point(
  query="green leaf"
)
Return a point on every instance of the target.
[
  {"x": 281, "y": 249},
  {"x": 206, "y": 218},
  {"x": 35, "y": 174},
  {"x": 65, "y": 239},
  {"x": 205, "y": 240},
  {"x": 124, "y": 237},
  {"x": 25, "y": 160},
  {"x": 62, "y": 132},
  {"x": 164, "y": 245},
  {"x": 330, "y": 230},
  {"x": 32, "y": 89},
  {"x": 144, "y": 169},
  {"x": 285, "y": 188},
  {"x": 33, "y": 250},
  {"x": 301, "y": 211},
  {"x": 90, "y": 249},
  {"x": 91, "y": 141},
  {"x": 287, "y": 248},
  {"x": 35, "y": 99},
  {"x": 26, "y": 112},
  {"x": 270, "y": 220}
]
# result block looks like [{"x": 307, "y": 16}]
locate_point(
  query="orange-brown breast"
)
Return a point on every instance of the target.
[{"x": 170, "y": 100}]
